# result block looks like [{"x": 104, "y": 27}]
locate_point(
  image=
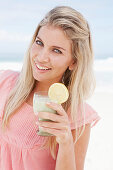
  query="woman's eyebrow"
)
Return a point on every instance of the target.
[
  {"x": 59, "y": 48},
  {"x": 53, "y": 46},
  {"x": 39, "y": 38}
]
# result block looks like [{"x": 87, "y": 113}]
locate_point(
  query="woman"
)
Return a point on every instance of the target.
[{"x": 60, "y": 51}]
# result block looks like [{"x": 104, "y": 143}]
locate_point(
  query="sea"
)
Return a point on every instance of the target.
[{"x": 103, "y": 69}]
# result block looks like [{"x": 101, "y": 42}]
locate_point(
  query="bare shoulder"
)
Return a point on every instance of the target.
[{"x": 81, "y": 147}]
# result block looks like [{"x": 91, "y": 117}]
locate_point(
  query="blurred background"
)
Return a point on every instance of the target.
[{"x": 18, "y": 21}]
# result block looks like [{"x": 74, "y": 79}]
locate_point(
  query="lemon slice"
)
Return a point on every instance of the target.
[{"x": 58, "y": 92}]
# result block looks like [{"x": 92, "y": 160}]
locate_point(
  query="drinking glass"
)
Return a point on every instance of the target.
[{"x": 39, "y": 105}]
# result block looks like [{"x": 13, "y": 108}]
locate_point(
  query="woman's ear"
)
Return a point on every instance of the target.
[{"x": 72, "y": 65}]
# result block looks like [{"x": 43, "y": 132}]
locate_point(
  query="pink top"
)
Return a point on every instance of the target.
[{"x": 20, "y": 144}]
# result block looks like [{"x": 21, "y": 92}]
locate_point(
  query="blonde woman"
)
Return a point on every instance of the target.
[{"x": 60, "y": 51}]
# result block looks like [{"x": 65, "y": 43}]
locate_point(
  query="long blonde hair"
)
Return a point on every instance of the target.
[{"x": 80, "y": 82}]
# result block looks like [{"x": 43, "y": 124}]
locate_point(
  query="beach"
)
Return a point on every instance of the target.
[{"x": 100, "y": 150}]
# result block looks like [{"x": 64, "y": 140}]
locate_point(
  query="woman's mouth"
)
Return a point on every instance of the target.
[{"x": 43, "y": 68}]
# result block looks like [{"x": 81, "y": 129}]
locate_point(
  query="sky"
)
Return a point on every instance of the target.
[{"x": 19, "y": 19}]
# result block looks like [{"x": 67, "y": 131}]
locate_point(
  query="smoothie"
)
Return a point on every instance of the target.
[
  {"x": 39, "y": 105},
  {"x": 57, "y": 93}
]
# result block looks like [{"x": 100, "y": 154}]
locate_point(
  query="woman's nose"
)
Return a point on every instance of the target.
[{"x": 43, "y": 56}]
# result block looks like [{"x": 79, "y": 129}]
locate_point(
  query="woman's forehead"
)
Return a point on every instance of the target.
[{"x": 54, "y": 35}]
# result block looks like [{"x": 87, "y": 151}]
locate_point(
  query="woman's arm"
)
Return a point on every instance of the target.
[
  {"x": 66, "y": 157},
  {"x": 72, "y": 157},
  {"x": 81, "y": 147}
]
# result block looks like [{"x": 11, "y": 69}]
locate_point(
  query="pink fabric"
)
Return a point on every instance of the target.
[
  {"x": 20, "y": 144},
  {"x": 90, "y": 117}
]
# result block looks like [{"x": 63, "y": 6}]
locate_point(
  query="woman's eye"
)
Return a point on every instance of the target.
[
  {"x": 57, "y": 51},
  {"x": 39, "y": 42}
]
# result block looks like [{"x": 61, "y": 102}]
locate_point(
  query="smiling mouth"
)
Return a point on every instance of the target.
[{"x": 42, "y": 68}]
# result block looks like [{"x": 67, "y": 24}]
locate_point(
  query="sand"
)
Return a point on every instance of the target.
[{"x": 100, "y": 150}]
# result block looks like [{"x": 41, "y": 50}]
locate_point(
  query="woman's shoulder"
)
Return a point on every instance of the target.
[
  {"x": 86, "y": 115},
  {"x": 7, "y": 72},
  {"x": 89, "y": 109},
  {"x": 7, "y": 80},
  {"x": 4, "y": 74},
  {"x": 7, "y": 76},
  {"x": 89, "y": 116}
]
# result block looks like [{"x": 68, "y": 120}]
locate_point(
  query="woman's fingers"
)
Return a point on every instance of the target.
[
  {"x": 57, "y": 107},
  {"x": 62, "y": 135},
  {"x": 53, "y": 125},
  {"x": 52, "y": 116},
  {"x": 55, "y": 132}
]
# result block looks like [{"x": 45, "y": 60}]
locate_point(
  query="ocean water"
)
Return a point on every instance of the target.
[
  {"x": 104, "y": 74},
  {"x": 103, "y": 69}
]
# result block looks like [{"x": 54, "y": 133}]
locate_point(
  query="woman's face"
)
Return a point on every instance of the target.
[{"x": 50, "y": 54}]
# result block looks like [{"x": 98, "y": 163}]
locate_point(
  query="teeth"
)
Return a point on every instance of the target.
[{"x": 42, "y": 68}]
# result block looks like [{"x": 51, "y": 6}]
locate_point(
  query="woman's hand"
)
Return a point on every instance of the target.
[{"x": 61, "y": 125}]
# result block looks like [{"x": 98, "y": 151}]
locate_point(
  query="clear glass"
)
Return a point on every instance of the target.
[{"x": 39, "y": 105}]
